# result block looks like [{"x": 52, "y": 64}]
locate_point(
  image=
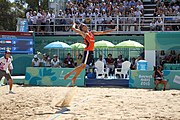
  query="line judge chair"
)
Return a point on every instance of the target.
[
  {"x": 124, "y": 70},
  {"x": 100, "y": 70}
]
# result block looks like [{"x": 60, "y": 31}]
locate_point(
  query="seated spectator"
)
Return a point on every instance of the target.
[
  {"x": 110, "y": 64},
  {"x": 55, "y": 62},
  {"x": 68, "y": 61},
  {"x": 100, "y": 21},
  {"x": 102, "y": 59},
  {"x": 36, "y": 61},
  {"x": 152, "y": 26},
  {"x": 133, "y": 64},
  {"x": 79, "y": 59},
  {"x": 173, "y": 53},
  {"x": 170, "y": 59},
  {"x": 138, "y": 58},
  {"x": 45, "y": 62},
  {"x": 119, "y": 61},
  {"x": 178, "y": 59},
  {"x": 162, "y": 57},
  {"x": 159, "y": 24},
  {"x": 158, "y": 77}
]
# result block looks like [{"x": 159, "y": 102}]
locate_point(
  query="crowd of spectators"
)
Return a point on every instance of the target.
[
  {"x": 69, "y": 62},
  {"x": 163, "y": 9},
  {"x": 171, "y": 58},
  {"x": 103, "y": 14},
  {"x": 111, "y": 63},
  {"x": 90, "y": 12}
]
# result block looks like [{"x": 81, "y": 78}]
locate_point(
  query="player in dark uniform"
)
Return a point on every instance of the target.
[
  {"x": 88, "y": 50},
  {"x": 158, "y": 77}
]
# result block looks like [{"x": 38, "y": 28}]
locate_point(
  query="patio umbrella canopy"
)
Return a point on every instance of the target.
[
  {"x": 78, "y": 46},
  {"x": 103, "y": 44},
  {"x": 57, "y": 45},
  {"x": 129, "y": 44}
]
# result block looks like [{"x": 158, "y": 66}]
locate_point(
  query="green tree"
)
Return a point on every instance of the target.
[
  {"x": 9, "y": 14},
  {"x": 36, "y": 4},
  {"x": 6, "y": 16},
  {"x": 44, "y": 4}
]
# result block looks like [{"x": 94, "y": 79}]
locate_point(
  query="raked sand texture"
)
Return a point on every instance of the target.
[{"x": 38, "y": 103}]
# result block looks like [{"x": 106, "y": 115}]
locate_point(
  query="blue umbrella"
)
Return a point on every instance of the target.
[{"x": 57, "y": 45}]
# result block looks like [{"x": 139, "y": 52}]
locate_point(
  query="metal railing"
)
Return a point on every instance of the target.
[{"x": 125, "y": 25}]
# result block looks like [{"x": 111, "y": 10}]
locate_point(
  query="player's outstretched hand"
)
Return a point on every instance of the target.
[{"x": 73, "y": 26}]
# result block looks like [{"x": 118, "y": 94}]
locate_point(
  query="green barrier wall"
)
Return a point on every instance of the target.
[
  {"x": 51, "y": 76},
  {"x": 20, "y": 62},
  {"x": 173, "y": 78},
  {"x": 144, "y": 79},
  {"x": 141, "y": 79},
  {"x": 162, "y": 41},
  {"x": 171, "y": 66}
]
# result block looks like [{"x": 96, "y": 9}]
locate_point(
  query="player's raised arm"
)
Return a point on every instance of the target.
[
  {"x": 103, "y": 32},
  {"x": 78, "y": 30}
]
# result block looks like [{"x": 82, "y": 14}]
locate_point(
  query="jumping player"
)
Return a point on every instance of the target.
[{"x": 88, "y": 50}]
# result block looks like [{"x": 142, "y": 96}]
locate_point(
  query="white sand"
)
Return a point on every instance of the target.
[{"x": 37, "y": 103}]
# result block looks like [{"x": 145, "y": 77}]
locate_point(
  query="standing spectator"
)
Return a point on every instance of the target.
[
  {"x": 132, "y": 19},
  {"x": 43, "y": 22},
  {"x": 5, "y": 63},
  {"x": 52, "y": 20},
  {"x": 29, "y": 16},
  {"x": 137, "y": 14},
  {"x": 68, "y": 61},
  {"x": 55, "y": 62},
  {"x": 110, "y": 64},
  {"x": 35, "y": 21},
  {"x": 140, "y": 6},
  {"x": 36, "y": 61},
  {"x": 39, "y": 18},
  {"x": 61, "y": 21}
]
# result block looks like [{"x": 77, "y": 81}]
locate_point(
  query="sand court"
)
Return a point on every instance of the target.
[{"x": 38, "y": 103}]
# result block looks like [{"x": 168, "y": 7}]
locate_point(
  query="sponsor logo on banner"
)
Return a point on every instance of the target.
[
  {"x": 176, "y": 79},
  {"x": 145, "y": 79}
]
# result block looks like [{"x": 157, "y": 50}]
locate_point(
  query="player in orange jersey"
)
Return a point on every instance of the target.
[{"x": 88, "y": 50}]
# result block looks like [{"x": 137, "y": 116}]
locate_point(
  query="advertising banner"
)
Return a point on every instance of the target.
[
  {"x": 145, "y": 79},
  {"x": 51, "y": 76}
]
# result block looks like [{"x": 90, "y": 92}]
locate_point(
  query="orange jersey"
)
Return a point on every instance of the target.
[{"x": 89, "y": 41}]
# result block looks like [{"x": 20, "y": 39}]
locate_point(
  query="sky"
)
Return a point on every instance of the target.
[{"x": 11, "y": 0}]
